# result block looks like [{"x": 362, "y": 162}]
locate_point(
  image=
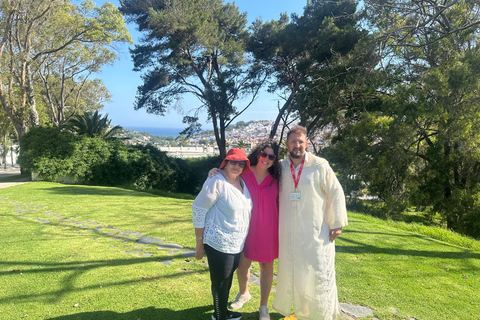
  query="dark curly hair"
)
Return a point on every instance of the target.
[{"x": 275, "y": 169}]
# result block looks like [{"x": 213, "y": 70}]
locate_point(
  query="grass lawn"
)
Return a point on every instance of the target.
[{"x": 69, "y": 252}]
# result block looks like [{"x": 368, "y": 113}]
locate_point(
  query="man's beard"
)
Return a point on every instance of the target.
[{"x": 297, "y": 156}]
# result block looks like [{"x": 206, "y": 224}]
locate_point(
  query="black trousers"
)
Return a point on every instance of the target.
[{"x": 221, "y": 266}]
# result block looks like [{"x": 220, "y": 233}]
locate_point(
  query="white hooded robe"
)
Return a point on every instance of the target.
[{"x": 306, "y": 262}]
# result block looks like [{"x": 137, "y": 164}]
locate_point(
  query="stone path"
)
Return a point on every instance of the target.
[{"x": 142, "y": 245}]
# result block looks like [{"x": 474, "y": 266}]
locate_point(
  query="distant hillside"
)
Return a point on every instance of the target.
[{"x": 250, "y": 130}]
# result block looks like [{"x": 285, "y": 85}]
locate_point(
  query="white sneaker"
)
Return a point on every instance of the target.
[
  {"x": 264, "y": 313},
  {"x": 240, "y": 300}
]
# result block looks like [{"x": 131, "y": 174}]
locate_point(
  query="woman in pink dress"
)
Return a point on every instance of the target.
[{"x": 261, "y": 243}]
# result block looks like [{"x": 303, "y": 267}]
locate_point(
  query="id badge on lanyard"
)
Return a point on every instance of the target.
[{"x": 295, "y": 196}]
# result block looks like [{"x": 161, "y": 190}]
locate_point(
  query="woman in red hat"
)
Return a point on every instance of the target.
[
  {"x": 262, "y": 240},
  {"x": 221, "y": 217}
]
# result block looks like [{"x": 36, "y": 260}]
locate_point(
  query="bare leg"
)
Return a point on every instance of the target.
[
  {"x": 266, "y": 280},
  {"x": 243, "y": 274}
]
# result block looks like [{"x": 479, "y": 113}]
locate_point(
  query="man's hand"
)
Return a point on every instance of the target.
[{"x": 334, "y": 233}]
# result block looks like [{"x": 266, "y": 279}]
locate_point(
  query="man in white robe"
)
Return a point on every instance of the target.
[{"x": 312, "y": 214}]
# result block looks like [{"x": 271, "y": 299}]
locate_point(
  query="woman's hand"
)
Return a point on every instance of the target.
[
  {"x": 213, "y": 172},
  {"x": 199, "y": 250}
]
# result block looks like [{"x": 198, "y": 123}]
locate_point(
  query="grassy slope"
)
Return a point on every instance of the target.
[{"x": 59, "y": 270}]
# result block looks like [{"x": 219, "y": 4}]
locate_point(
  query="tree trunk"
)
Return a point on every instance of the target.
[
  {"x": 447, "y": 188},
  {"x": 35, "y": 120}
]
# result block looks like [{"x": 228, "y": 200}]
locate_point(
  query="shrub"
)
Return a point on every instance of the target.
[
  {"x": 54, "y": 154},
  {"x": 43, "y": 144},
  {"x": 196, "y": 170}
]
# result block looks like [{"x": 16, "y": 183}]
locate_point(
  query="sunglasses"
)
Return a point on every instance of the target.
[
  {"x": 263, "y": 154},
  {"x": 241, "y": 164}
]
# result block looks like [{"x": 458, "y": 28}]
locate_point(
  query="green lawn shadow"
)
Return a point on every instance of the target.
[
  {"x": 197, "y": 313},
  {"x": 145, "y": 313},
  {"x": 113, "y": 191},
  {"x": 358, "y": 247},
  {"x": 77, "y": 269}
]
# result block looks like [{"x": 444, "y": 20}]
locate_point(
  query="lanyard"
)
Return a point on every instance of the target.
[{"x": 297, "y": 179}]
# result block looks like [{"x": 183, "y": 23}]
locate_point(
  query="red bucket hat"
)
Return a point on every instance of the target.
[{"x": 235, "y": 154}]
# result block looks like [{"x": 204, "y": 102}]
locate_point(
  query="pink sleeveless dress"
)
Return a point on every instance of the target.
[{"x": 261, "y": 243}]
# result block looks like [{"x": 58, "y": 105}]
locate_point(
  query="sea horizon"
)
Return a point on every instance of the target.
[{"x": 157, "y": 131}]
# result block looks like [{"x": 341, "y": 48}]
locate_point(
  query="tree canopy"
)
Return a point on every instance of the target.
[
  {"x": 197, "y": 48},
  {"x": 417, "y": 143},
  {"x": 56, "y": 42}
]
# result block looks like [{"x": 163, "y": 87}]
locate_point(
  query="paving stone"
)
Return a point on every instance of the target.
[
  {"x": 188, "y": 253},
  {"x": 148, "y": 240},
  {"x": 136, "y": 234},
  {"x": 133, "y": 251},
  {"x": 43, "y": 220},
  {"x": 147, "y": 254},
  {"x": 356, "y": 311},
  {"x": 345, "y": 316},
  {"x": 166, "y": 262},
  {"x": 166, "y": 246},
  {"x": 173, "y": 251},
  {"x": 254, "y": 279}
]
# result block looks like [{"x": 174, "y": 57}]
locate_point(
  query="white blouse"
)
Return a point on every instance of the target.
[{"x": 224, "y": 213}]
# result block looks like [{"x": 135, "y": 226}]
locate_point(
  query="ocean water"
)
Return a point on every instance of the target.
[{"x": 158, "y": 131}]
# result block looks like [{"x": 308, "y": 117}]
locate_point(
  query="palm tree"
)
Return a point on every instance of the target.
[{"x": 92, "y": 125}]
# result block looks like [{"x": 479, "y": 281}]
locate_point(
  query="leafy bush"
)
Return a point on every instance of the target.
[
  {"x": 196, "y": 170},
  {"x": 139, "y": 167},
  {"x": 53, "y": 155},
  {"x": 43, "y": 144}
]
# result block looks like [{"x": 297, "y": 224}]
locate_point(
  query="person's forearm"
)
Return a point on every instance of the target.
[
  {"x": 199, "y": 234},
  {"x": 199, "y": 249}
]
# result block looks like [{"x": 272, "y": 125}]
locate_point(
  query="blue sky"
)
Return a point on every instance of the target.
[{"x": 122, "y": 82}]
